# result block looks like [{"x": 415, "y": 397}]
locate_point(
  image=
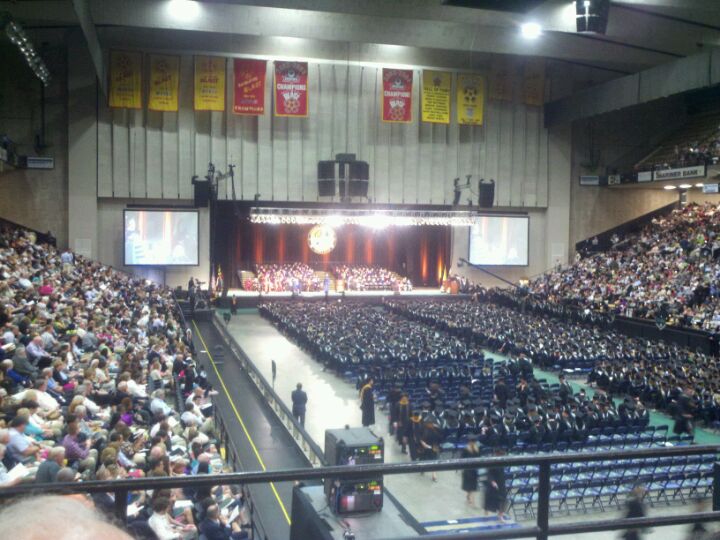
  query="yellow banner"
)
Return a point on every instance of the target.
[
  {"x": 470, "y": 97},
  {"x": 501, "y": 81},
  {"x": 125, "y": 80},
  {"x": 436, "y": 86},
  {"x": 534, "y": 82},
  {"x": 164, "y": 83},
  {"x": 209, "y": 83}
]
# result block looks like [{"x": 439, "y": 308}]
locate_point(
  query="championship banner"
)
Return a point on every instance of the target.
[
  {"x": 164, "y": 83},
  {"x": 501, "y": 81},
  {"x": 470, "y": 96},
  {"x": 209, "y": 94},
  {"x": 291, "y": 89},
  {"x": 534, "y": 82},
  {"x": 125, "y": 80},
  {"x": 397, "y": 95},
  {"x": 249, "y": 87},
  {"x": 436, "y": 87}
]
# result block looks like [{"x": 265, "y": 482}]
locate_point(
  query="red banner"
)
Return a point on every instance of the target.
[
  {"x": 291, "y": 89},
  {"x": 249, "y": 87},
  {"x": 397, "y": 95}
]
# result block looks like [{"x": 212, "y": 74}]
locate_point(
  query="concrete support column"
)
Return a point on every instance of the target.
[{"x": 82, "y": 149}]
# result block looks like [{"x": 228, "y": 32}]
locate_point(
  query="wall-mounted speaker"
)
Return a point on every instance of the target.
[
  {"x": 326, "y": 178},
  {"x": 359, "y": 178},
  {"x": 486, "y": 197},
  {"x": 201, "y": 191}
]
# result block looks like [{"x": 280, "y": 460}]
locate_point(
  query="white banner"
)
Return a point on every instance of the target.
[
  {"x": 710, "y": 188},
  {"x": 677, "y": 174},
  {"x": 645, "y": 176}
]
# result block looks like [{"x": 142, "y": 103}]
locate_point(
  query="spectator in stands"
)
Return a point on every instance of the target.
[
  {"x": 48, "y": 469},
  {"x": 215, "y": 526}
]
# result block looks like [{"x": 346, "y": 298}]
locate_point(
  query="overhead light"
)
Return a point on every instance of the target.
[
  {"x": 17, "y": 36},
  {"x": 699, "y": 184},
  {"x": 669, "y": 187},
  {"x": 685, "y": 186},
  {"x": 183, "y": 10},
  {"x": 530, "y": 30}
]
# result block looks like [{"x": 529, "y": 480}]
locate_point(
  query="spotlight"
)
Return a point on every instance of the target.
[{"x": 530, "y": 30}]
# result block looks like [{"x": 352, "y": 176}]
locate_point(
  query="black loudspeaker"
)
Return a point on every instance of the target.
[
  {"x": 592, "y": 15},
  {"x": 359, "y": 178},
  {"x": 486, "y": 196},
  {"x": 202, "y": 193},
  {"x": 326, "y": 178}
]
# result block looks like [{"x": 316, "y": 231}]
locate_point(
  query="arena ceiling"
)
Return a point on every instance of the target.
[{"x": 640, "y": 34}]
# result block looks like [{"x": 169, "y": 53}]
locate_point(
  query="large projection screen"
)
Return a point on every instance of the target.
[
  {"x": 160, "y": 237},
  {"x": 499, "y": 241}
]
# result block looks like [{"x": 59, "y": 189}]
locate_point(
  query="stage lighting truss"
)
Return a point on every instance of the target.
[
  {"x": 18, "y": 37},
  {"x": 375, "y": 219}
]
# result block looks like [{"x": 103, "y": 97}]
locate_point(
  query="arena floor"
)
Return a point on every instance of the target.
[{"x": 333, "y": 403}]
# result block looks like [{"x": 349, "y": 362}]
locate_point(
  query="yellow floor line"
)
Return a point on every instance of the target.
[{"x": 242, "y": 423}]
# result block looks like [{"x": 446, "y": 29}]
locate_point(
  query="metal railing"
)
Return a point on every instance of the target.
[
  {"x": 542, "y": 529},
  {"x": 309, "y": 448}
]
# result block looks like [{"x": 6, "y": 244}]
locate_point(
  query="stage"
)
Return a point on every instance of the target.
[{"x": 421, "y": 291}]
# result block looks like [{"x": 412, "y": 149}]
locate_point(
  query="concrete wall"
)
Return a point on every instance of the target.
[
  {"x": 35, "y": 198},
  {"x": 549, "y": 227},
  {"x": 617, "y": 140},
  {"x": 145, "y": 154}
]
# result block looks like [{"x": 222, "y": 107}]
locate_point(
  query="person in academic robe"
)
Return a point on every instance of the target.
[
  {"x": 367, "y": 403},
  {"x": 495, "y": 489},
  {"x": 430, "y": 443},
  {"x": 470, "y": 476}
]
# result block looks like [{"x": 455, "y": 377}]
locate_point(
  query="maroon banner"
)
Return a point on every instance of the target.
[
  {"x": 249, "y": 87},
  {"x": 291, "y": 89},
  {"x": 397, "y": 95}
]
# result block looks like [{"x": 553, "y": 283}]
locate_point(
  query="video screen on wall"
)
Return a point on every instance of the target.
[
  {"x": 499, "y": 241},
  {"x": 161, "y": 237}
]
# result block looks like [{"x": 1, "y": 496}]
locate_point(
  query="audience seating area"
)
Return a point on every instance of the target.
[
  {"x": 91, "y": 363},
  {"x": 416, "y": 366},
  {"x": 667, "y": 272},
  {"x": 696, "y": 142}
]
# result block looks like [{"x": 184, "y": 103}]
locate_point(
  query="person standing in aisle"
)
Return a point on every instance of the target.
[
  {"x": 470, "y": 476},
  {"x": 367, "y": 403},
  {"x": 299, "y": 404}
]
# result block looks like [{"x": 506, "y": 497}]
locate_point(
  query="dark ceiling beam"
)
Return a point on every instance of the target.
[{"x": 82, "y": 10}]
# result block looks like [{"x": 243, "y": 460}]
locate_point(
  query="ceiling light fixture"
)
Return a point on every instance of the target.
[
  {"x": 669, "y": 187},
  {"x": 699, "y": 184},
  {"x": 183, "y": 10},
  {"x": 685, "y": 186},
  {"x": 17, "y": 36},
  {"x": 530, "y": 30}
]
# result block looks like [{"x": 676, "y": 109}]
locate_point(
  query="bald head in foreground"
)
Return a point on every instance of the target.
[{"x": 67, "y": 518}]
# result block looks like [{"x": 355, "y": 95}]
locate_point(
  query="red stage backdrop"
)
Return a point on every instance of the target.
[{"x": 422, "y": 253}]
